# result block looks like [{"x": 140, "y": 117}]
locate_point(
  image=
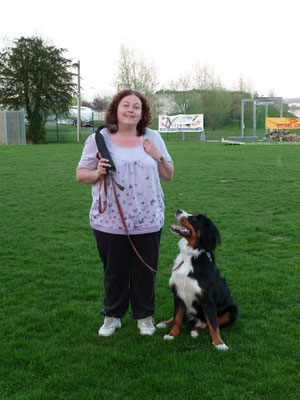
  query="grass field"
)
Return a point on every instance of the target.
[{"x": 51, "y": 281}]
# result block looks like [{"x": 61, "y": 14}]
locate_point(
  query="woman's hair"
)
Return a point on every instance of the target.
[{"x": 111, "y": 120}]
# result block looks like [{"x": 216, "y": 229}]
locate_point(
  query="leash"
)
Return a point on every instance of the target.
[
  {"x": 103, "y": 182},
  {"x": 114, "y": 184}
]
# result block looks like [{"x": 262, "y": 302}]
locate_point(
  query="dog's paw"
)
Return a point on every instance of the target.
[
  {"x": 200, "y": 324},
  {"x": 194, "y": 333},
  {"x": 168, "y": 337},
  {"x": 221, "y": 347},
  {"x": 161, "y": 325}
]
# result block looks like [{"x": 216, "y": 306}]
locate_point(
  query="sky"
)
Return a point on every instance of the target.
[{"x": 257, "y": 41}]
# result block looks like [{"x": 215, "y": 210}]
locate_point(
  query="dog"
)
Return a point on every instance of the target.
[{"x": 201, "y": 295}]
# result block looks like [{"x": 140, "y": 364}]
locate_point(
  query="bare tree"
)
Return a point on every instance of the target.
[
  {"x": 206, "y": 79},
  {"x": 100, "y": 103},
  {"x": 271, "y": 93},
  {"x": 135, "y": 72},
  {"x": 183, "y": 83},
  {"x": 244, "y": 86},
  {"x": 180, "y": 97}
]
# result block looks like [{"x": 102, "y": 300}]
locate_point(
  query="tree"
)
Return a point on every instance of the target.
[
  {"x": 215, "y": 99},
  {"x": 236, "y": 100},
  {"x": 206, "y": 79},
  {"x": 216, "y": 105},
  {"x": 244, "y": 86},
  {"x": 36, "y": 77},
  {"x": 180, "y": 96},
  {"x": 86, "y": 103},
  {"x": 100, "y": 103},
  {"x": 136, "y": 73}
]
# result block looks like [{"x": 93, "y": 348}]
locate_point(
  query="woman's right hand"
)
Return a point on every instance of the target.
[{"x": 102, "y": 165}]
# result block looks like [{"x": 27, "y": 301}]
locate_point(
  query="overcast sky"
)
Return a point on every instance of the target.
[{"x": 256, "y": 40}]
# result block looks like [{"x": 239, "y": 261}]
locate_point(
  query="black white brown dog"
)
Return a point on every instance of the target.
[{"x": 201, "y": 295}]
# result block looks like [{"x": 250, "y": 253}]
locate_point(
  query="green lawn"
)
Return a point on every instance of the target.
[{"x": 51, "y": 281}]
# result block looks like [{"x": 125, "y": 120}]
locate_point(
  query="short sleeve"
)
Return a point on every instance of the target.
[
  {"x": 88, "y": 157},
  {"x": 158, "y": 140}
]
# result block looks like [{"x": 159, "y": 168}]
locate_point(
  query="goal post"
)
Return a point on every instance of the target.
[{"x": 259, "y": 101}]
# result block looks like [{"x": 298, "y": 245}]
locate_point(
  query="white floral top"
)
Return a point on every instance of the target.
[{"x": 142, "y": 200}]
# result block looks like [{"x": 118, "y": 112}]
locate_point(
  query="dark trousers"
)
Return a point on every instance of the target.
[{"x": 126, "y": 278}]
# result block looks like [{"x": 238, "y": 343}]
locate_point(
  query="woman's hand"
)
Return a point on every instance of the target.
[
  {"x": 165, "y": 168},
  {"x": 102, "y": 165},
  {"x": 151, "y": 149},
  {"x": 88, "y": 176}
]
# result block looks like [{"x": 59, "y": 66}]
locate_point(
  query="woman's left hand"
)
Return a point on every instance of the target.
[
  {"x": 151, "y": 149},
  {"x": 165, "y": 169}
]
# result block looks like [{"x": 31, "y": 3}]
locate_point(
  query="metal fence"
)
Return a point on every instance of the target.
[{"x": 12, "y": 127}]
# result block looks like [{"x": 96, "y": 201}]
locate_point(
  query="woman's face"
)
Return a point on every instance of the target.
[{"x": 129, "y": 111}]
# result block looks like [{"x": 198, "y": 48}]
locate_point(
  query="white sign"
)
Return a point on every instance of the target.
[
  {"x": 265, "y": 103},
  {"x": 180, "y": 123}
]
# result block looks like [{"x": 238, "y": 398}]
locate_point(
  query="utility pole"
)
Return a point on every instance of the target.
[
  {"x": 78, "y": 105},
  {"x": 77, "y": 65}
]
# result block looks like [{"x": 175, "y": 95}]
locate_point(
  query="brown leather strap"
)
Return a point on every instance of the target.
[
  {"x": 103, "y": 181},
  {"x": 127, "y": 234}
]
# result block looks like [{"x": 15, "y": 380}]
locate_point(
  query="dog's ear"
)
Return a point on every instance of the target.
[{"x": 210, "y": 236}]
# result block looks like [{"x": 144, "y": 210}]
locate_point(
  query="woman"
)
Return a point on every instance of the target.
[{"x": 141, "y": 159}]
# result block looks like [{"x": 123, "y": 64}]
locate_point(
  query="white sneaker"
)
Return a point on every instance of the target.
[
  {"x": 109, "y": 326},
  {"x": 146, "y": 326}
]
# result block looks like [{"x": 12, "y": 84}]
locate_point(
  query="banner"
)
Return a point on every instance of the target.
[
  {"x": 180, "y": 123},
  {"x": 282, "y": 123}
]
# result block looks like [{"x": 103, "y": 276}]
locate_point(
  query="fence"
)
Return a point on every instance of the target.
[
  {"x": 12, "y": 127},
  {"x": 99, "y": 115}
]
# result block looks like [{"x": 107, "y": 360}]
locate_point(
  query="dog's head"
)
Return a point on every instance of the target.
[{"x": 198, "y": 230}]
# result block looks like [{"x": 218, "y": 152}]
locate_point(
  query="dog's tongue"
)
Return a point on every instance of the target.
[{"x": 181, "y": 230}]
